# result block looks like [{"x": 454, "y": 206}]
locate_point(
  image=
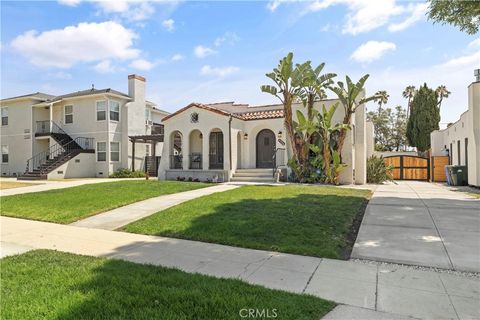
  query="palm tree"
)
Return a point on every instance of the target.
[
  {"x": 442, "y": 92},
  {"x": 348, "y": 98},
  {"x": 382, "y": 99},
  {"x": 409, "y": 93}
]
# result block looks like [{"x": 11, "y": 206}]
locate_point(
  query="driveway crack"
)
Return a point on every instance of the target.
[{"x": 311, "y": 276}]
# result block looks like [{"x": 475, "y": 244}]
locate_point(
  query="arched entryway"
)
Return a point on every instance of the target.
[
  {"x": 215, "y": 153},
  {"x": 196, "y": 144},
  {"x": 176, "y": 152},
  {"x": 265, "y": 148}
]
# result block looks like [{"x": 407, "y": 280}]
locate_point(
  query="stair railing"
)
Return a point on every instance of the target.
[
  {"x": 36, "y": 162},
  {"x": 48, "y": 127}
]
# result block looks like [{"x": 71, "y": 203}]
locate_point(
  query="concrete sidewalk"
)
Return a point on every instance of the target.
[
  {"x": 122, "y": 216},
  {"x": 386, "y": 288},
  {"x": 421, "y": 223},
  {"x": 45, "y": 185}
]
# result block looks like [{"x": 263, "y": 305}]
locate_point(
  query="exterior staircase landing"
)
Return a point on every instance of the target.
[{"x": 253, "y": 175}]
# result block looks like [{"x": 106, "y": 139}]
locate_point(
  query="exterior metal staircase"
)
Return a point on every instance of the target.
[{"x": 65, "y": 149}]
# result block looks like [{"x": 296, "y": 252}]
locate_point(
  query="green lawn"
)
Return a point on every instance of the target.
[
  {"x": 47, "y": 284},
  {"x": 71, "y": 204},
  {"x": 307, "y": 220}
]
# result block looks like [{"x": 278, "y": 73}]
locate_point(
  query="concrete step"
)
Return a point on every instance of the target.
[
  {"x": 249, "y": 174},
  {"x": 253, "y": 179},
  {"x": 268, "y": 170}
]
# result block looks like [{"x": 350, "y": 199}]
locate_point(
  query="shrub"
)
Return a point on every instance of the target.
[
  {"x": 378, "y": 171},
  {"x": 127, "y": 173}
]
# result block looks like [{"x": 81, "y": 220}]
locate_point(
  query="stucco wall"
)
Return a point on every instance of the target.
[
  {"x": 80, "y": 166},
  {"x": 467, "y": 127},
  {"x": 243, "y": 136},
  {"x": 17, "y": 135}
]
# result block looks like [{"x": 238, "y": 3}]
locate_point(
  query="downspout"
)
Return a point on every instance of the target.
[{"x": 230, "y": 142}]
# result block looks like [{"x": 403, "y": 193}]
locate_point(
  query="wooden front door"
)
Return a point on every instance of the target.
[
  {"x": 216, "y": 150},
  {"x": 265, "y": 148},
  {"x": 409, "y": 167}
]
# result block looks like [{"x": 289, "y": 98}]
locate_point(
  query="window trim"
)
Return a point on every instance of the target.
[
  {"x": 8, "y": 154},
  {"x": 1, "y": 116},
  {"x": 119, "y": 151},
  {"x": 116, "y": 101},
  {"x": 65, "y": 114},
  {"x": 106, "y": 110},
  {"x": 97, "y": 152}
]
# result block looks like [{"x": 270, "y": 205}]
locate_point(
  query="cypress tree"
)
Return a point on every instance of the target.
[{"x": 424, "y": 119}]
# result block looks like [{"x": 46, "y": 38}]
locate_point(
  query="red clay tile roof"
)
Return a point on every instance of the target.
[
  {"x": 258, "y": 115},
  {"x": 248, "y": 115}
]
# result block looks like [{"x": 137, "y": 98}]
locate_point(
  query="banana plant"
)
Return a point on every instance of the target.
[
  {"x": 287, "y": 79},
  {"x": 326, "y": 130},
  {"x": 350, "y": 97}
]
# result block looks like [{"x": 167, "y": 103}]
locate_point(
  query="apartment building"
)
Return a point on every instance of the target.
[{"x": 89, "y": 133}]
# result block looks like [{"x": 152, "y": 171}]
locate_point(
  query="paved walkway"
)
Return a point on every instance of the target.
[
  {"x": 386, "y": 288},
  {"x": 45, "y": 185},
  {"x": 122, "y": 216},
  {"x": 421, "y": 223}
]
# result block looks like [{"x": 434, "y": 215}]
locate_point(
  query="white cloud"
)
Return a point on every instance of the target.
[
  {"x": 219, "y": 72},
  {"x": 104, "y": 66},
  {"x": 71, "y": 3},
  {"x": 86, "y": 42},
  {"x": 363, "y": 15},
  {"x": 202, "y": 51},
  {"x": 142, "y": 64},
  {"x": 325, "y": 28},
  {"x": 60, "y": 75},
  {"x": 418, "y": 12},
  {"x": 469, "y": 59},
  {"x": 372, "y": 50},
  {"x": 229, "y": 37},
  {"x": 169, "y": 24},
  {"x": 474, "y": 44},
  {"x": 177, "y": 57},
  {"x": 132, "y": 10}
]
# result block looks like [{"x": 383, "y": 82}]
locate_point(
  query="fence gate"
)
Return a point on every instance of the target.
[{"x": 409, "y": 167}]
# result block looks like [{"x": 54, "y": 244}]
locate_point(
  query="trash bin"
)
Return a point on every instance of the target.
[{"x": 459, "y": 175}]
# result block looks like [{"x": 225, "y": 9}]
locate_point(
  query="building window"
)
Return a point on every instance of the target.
[
  {"x": 148, "y": 115},
  {"x": 114, "y": 110},
  {"x": 5, "y": 116},
  {"x": 101, "y": 110},
  {"x": 4, "y": 154},
  {"x": 147, "y": 150},
  {"x": 114, "y": 151},
  {"x": 68, "y": 114},
  {"x": 101, "y": 151}
]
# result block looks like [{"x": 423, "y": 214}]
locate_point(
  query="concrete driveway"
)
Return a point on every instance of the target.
[{"x": 421, "y": 223}]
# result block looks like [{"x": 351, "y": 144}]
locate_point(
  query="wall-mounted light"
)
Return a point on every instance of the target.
[
  {"x": 245, "y": 136},
  {"x": 201, "y": 136},
  {"x": 280, "y": 134}
]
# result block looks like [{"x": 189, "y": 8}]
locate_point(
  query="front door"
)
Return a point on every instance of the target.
[
  {"x": 265, "y": 148},
  {"x": 216, "y": 150}
]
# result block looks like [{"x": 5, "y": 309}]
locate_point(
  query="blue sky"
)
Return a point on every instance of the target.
[{"x": 220, "y": 51}]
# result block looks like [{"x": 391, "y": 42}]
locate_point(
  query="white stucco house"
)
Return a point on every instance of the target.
[
  {"x": 237, "y": 142},
  {"x": 89, "y": 133},
  {"x": 462, "y": 138}
]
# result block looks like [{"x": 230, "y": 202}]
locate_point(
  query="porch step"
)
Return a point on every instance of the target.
[
  {"x": 253, "y": 175},
  {"x": 253, "y": 179},
  {"x": 29, "y": 176}
]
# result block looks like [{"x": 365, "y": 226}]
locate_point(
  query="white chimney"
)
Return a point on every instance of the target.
[{"x": 136, "y": 87}]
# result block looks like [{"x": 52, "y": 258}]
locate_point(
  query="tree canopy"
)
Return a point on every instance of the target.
[
  {"x": 464, "y": 14},
  {"x": 424, "y": 118}
]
